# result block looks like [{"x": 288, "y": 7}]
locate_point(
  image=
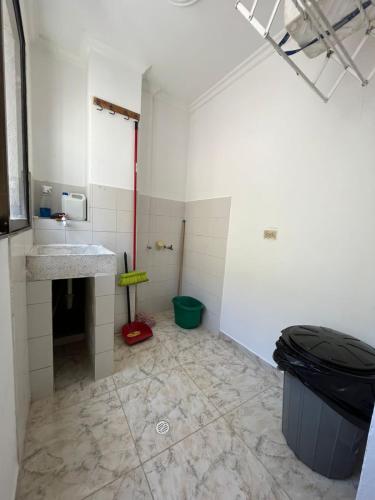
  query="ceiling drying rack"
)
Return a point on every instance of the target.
[{"x": 325, "y": 33}]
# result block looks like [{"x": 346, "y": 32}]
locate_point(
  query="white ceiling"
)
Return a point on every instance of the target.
[{"x": 189, "y": 49}]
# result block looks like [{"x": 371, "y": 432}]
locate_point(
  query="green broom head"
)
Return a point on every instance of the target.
[{"x": 133, "y": 278}]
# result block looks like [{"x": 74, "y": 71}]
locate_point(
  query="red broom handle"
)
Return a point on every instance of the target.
[{"x": 135, "y": 195}]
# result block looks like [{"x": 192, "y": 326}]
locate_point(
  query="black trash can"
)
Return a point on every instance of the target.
[{"x": 329, "y": 394}]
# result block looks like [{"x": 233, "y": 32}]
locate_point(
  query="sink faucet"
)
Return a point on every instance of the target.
[{"x": 62, "y": 217}]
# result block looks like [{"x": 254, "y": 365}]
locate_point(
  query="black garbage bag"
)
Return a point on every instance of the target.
[{"x": 337, "y": 367}]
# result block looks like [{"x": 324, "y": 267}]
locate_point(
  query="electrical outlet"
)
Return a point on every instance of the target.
[{"x": 270, "y": 234}]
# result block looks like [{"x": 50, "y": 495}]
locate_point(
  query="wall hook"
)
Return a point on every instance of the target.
[
  {"x": 100, "y": 108},
  {"x": 111, "y": 112},
  {"x": 126, "y": 118}
]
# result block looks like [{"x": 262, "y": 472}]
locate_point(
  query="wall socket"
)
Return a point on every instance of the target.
[{"x": 270, "y": 234}]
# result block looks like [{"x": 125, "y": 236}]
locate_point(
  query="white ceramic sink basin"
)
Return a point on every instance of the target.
[{"x": 51, "y": 262}]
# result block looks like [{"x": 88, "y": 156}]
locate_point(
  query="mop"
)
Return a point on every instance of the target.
[{"x": 134, "y": 331}]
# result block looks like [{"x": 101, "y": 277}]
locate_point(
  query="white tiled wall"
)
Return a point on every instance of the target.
[
  {"x": 207, "y": 224},
  {"x": 159, "y": 219},
  {"x": 39, "y": 314},
  {"x": 19, "y": 245},
  {"x": 101, "y": 306}
]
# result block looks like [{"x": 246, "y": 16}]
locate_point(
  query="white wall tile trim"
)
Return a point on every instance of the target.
[
  {"x": 41, "y": 382},
  {"x": 40, "y": 352},
  {"x": 104, "y": 284},
  {"x": 104, "y": 309},
  {"x": 103, "y": 364},
  {"x": 39, "y": 292},
  {"x": 39, "y": 319},
  {"x": 104, "y": 338}
]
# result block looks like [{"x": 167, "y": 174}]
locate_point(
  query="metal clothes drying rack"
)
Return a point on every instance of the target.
[{"x": 335, "y": 49}]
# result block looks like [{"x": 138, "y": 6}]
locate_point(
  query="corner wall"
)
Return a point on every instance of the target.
[
  {"x": 207, "y": 224},
  {"x": 161, "y": 182},
  {"x": 306, "y": 168}
]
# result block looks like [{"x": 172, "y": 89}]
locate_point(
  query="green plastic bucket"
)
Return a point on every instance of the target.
[{"x": 187, "y": 312}]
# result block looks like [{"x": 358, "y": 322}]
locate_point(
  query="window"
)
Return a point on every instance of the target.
[{"x": 14, "y": 181}]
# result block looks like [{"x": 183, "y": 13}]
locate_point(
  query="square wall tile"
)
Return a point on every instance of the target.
[
  {"x": 39, "y": 292},
  {"x": 104, "y": 338},
  {"x": 124, "y": 222},
  {"x": 143, "y": 224},
  {"x": 79, "y": 225},
  {"x": 120, "y": 321},
  {"x": 40, "y": 352},
  {"x": 124, "y": 243},
  {"x": 217, "y": 247},
  {"x": 124, "y": 199},
  {"x": 143, "y": 204},
  {"x": 219, "y": 207},
  {"x": 104, "y": 284},
  {"x": 107, "y": 239},
  {"x": 48, "y": 224},
  {"x": 104, "y": 219},
  {"x": 218, "y": 227},
  {"x": 103, "y": 364},
  {"x": 41, "y": 383},
  {"x": 104, "y": 196},
  {"x": 104, "y": 310},
  {"x": 79, "y": 237},
  {"x": 120, "y": 307},
  {"x": 49, "y": 237},
  {"x": 39, "y": 319}
]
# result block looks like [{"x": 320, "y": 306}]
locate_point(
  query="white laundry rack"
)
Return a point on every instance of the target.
[{"x": 335, "y": 49}]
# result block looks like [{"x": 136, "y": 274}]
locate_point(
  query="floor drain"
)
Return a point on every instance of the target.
[{"x": 162, "y": 427}]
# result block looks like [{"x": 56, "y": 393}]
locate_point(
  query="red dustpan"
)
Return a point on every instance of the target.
[{"x": 136, "y": 332}]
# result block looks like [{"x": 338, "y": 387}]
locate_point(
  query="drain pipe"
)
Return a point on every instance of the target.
[{"x": 69, "y": 295}]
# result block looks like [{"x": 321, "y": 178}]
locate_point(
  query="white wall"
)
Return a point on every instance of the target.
[
  {"x": 19, "y": 245},
  {"x": 8, "y": 439},
  {"x": 163, "y": 144},
  {"x": 307, "y": 168},
  {"x": 111, "y": 138},
  {"x": 58, "y": 116}
]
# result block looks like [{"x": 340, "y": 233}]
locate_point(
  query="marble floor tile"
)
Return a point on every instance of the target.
[
  {"x": 79, "y": 442},
  {"x": 70, "y": 367},
  {"x": 178, "y": 340},
  {"x": 167, "y": 315},
  {"x": 75, "y": 393},
  {"x": 242, "y": 353},
  {"x": 133, "y": 486},
  {"x": 137, "y": 362},
  {"x": 71, "y": 453},
  {"x": 212, "y": 464},
  {"x": 170, "y": 396},
  {"x": 258, "y": 423},
  {"x": 225, "y": 378}
]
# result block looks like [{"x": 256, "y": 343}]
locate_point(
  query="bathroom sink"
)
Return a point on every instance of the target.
[{"x": 52, "y": 262}]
